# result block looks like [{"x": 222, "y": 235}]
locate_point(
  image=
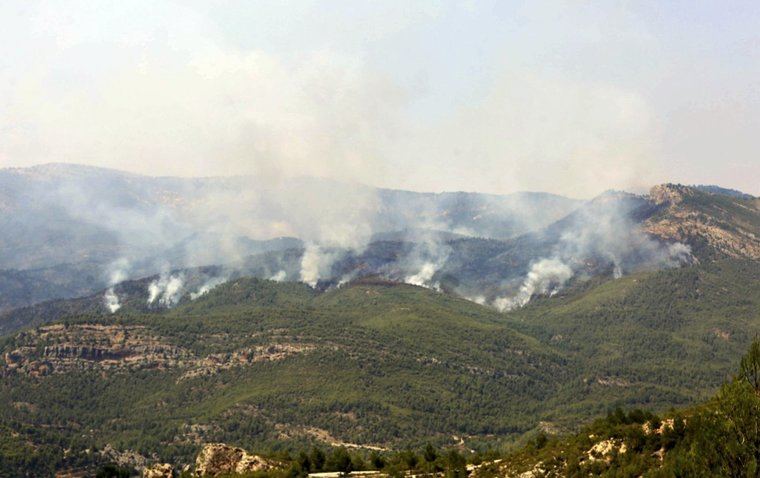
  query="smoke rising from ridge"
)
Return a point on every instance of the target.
[
  {"x": 328, "y": 232},
  {"x": 545, "y": 276},
  {"x": 603, "y": 230},
  {"x": 427, "y": 257},
  {"x": 279, "y": 276},
  {"x": 167, "y": 289},
  {"x": 119, "y": 272},
  {"x": 208, "y": 286}
]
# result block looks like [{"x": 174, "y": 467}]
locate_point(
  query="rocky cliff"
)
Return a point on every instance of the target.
[
  {"x": 730, "y": 226},
  {"x": 217, "y": 459},
  {"x": 114, "y": 348}
]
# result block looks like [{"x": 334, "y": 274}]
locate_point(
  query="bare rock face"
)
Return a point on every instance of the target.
[
  {"x": 159, "y": 470},
  {"x": 59, "y": 348},
  {"x": 729, "y": 227},
  {"x": 126, "y": 458},
  {"x": 217, "y": 458},
  {"x": 669, "y": 193}
]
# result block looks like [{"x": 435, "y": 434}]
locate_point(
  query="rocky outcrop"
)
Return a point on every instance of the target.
[
  {"x": 64, "y": 348},
  {"x": 217, "y": 459},
  {"x": 691, "y": 216},
  {"x": 669, "y": 194},
  {"x": 605, "y": 449},
  {"x": 260, "y": 353},
  {"x": 60, "y": 348},
  {"x": 159, "y": 470},
  {"x": 127, "y": 458}
]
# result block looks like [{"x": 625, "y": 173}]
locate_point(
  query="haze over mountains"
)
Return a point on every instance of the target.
[
  {"x": 375, "y": 363},
  {"x": 449, "y": 239},
  {"x": 61, "y": 221},
  {"x": 72, "y": 230},
  {"x": 318, "y": 312}
]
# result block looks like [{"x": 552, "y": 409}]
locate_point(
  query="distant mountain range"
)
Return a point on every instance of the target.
[
  {"x": 63, "y": 227},
  {"x": 497, "y": 250}
]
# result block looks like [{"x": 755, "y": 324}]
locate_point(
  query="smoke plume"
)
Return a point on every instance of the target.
[
  {"x": 602, "y": 232},
  {"x": 119, "y": 272},
  {"x": 167, "y": 289},
  {"x": 427, "y": 258},
  {"x": 208, "y": 286},
  {"x": 279, "y": 276},
  {"x": 545, "y": 276}
]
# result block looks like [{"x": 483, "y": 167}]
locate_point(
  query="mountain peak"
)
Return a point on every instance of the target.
[
  {"x": 726, "y": 224},
  {"x": 670, "y": 193}
]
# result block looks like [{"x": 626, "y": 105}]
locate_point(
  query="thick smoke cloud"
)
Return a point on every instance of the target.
[
  {"x": 602, "y": 232},
  {"x": 316, "y": 263},
  {"x": 167, "y": 289},
  {"x": 545, "y": 276}
]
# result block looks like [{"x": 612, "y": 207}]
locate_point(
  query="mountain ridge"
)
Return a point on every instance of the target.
[{"x": 485, "y": 269}]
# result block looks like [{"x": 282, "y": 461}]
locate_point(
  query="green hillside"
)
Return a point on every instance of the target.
[
  {"x": 716, "y": 438},
  {"x": 653, "y": 339},
  {"x": 371, "y": 364},
  {"x": 268, "y": 365}
]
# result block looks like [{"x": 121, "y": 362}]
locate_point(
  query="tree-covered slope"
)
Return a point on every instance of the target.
[
  {"x": 718, "y": 437},
  {"x": 652, "y": 339},
  {"x": 267, "y": 365},
  {"x": 258, "y": 363}
]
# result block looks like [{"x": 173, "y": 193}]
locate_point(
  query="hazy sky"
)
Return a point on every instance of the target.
[{"x": 570, "y": 97}]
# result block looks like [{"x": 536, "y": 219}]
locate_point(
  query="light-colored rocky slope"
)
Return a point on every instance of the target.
[{"x": 729, "y": 225}]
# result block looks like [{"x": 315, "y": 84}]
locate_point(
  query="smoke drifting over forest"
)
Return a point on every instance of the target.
[{"x": 321, "y": 232}]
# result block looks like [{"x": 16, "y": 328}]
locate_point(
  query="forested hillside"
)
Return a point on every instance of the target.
[
  {"x": 260, "y": 364},
  {"x": 716, "y": 438},
  {"x": 268, "y": 365}
]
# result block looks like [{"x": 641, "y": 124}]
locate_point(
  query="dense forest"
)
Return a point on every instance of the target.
[
  {"x": 719, "y": 437},
  {"x": 279, "y": 367}
]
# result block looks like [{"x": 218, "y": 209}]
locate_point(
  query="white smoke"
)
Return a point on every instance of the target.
[
  {"x": 316, "y": 263},
  {"x": 427, "y": 257},
  {"x": 280, "y": 276},
  {"x": 167, "y": 289},
  {"x": 119, "y": 271},
  {"x": 603, "y": 229},
  {"x": 111, "y": 300},
  {"x": 332, "y": 219},
  {"x": 617, "y": 271},
  {"x": 346, "y": 278},
  {"x": 425, "y": 276},
  {"x": 679, "y": 253},
  {"x": 208, "y": 286},
  {"x": 545, "y": 276},
  {"x": 154, "y": 290}
]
